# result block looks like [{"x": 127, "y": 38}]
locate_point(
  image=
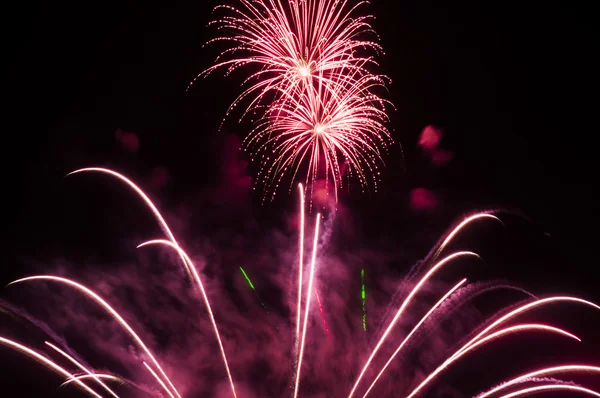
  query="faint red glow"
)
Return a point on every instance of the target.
[
  {"x": 440, "y": 157},
  {"x": 127, "y": 140},
  {"x": 430, "y": 138},
  {"x": 160, "y": 177},
  {"x": 429, "y": 141},
  {"x": 422, "y": 199}
]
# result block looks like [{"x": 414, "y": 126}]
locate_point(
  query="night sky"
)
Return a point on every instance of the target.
[{"x": 512, "y": 87}]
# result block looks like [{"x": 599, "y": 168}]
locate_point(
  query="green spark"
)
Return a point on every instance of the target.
[
  {"x": 252, "y": 286},
  {"x": 248, "y": 279},
  {"x": 364, "y": 299}
]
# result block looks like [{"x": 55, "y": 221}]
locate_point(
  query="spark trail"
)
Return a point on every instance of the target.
[
  {"x": 100, "y": 301},
  {"x": 322, "y": 314},
  {"x": 450, "y": 292},
  {"x": 363, "y": 297},
  {"x": 542, "y": 372},
  {"x": 300, "y": 265},
  {"x": 496, "y": 329},
  {"x": 45, "y": 361},
  {"x": 251, "y": 286},
  {"x": 80, "y": 366},
  {"x": 401, "y": 311},
  {"x": 475, "y": 340},
  {"x": 94, "y": 376},
  {"x": 307, "y": 308},
  {"x": 188, "y": 264}
]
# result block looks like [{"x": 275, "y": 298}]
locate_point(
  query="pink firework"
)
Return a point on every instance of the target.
[
  {"x": 320, "y": 130},
  {"x": 312, "y": 93},
  {"x": 294, "y": 43},
  {"x": 503, "y": 326}
]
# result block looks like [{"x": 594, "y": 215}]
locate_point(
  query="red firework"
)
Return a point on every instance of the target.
[{"x": 312, "y": 91}]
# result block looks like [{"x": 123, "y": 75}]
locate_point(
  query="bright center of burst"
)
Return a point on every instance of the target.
[
  {"x": 304, "y": 71},
  {"x": 319, "y": 129}
]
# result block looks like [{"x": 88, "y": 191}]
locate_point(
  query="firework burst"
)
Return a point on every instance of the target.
[
  {"x": 499, "y": 327},
  {"x": 322, "y": 129},
  {"x": 313, "y": 96}
]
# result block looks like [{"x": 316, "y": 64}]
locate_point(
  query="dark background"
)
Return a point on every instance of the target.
[{"x": 512, "y": 85}]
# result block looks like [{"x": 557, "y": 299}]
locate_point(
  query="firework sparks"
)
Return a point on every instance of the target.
[
  {"x": 80, "y": 366},
  {"x": 496, "y": 330},
  {"x": 45, "y": 361},
  {"x": 252, "y": 286},
  {"x": 100, "y": 301},
  {"x": 322, "y": 130},
  {"x": 552, "y": 387},
  {"x": 402, "y": 308},
  {"x": 300, "y": 265},
  {"x": 162, "y": 383},
  {"x": 315, "y": 98},
  {"x": 306, "y": 310},
  {"x": 542, "y": 372},
  {"x": 450, "y": 292},
  {"x": 475, "y": 340},
  {"x": 92, "y": 376},
  {"x": 322, "y": 313},
  {"x": 363, "y": 296},
  {"x": 189, "y": 266},
  {"x": 294, "y": 44}
]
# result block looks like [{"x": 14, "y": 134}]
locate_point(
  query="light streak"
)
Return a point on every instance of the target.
[
  {"x": 196, "y": 276},
  {"x": 414, "y": 291},
  {"x": 188, "y": 264},
  {"x": 322, "y": 314},
  {"x": 45, "y": 361},
  {"x": 252, "y": 286},
  {"x": 103, "y": 304},
  {"x": 158, "y": 379},
  {"x": 498, "y": 322},
  {"x": 541, "y": 372},
  {"x": 80, "y": 366},
  {"x": 550, "y": 388},
  {"x": 92, "y": 376},
  {"x": 307, "y": 308},
  {"x": 492, "y": 332},
  {"x": 407, "y": 338},
  {"x": 300, "y": 265},
  {"x": 464, "y": 223},
  {"x": 247, "y": 279},
  {"x": 364, "y": 299}
]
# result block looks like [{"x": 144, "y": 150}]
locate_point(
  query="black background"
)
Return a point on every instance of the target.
[{"x": 513, "y": 86}]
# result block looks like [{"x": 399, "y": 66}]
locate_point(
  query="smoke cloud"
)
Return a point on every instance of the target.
[{"x": 257, "y": 326}]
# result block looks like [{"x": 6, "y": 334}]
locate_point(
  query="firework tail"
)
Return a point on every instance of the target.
[
  {"x": 83, "y": 368},
  {"x": 184, "y": 255},
  {"x": 103, "y": 304},
  {"x": 92, "y": 376},
  {"x": 300, "y": 265},
  {"x": 158, "y": 379},
  {"x": 498, "y": 322},
  {"x": 48, "y": 363},
  {"x": 551, "y": 388},
  {"x": 188, "y": 264},
  {"x": 413, "y": 331},
  {"x": 542, "y": 372},
  {"x": 363, "y": 296},
  {"x": 322, "y": 313},
  {"x": 307, "y": 308},
  {"x": 252, "y": 286},
  {"x": 407, "y": 301}
]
